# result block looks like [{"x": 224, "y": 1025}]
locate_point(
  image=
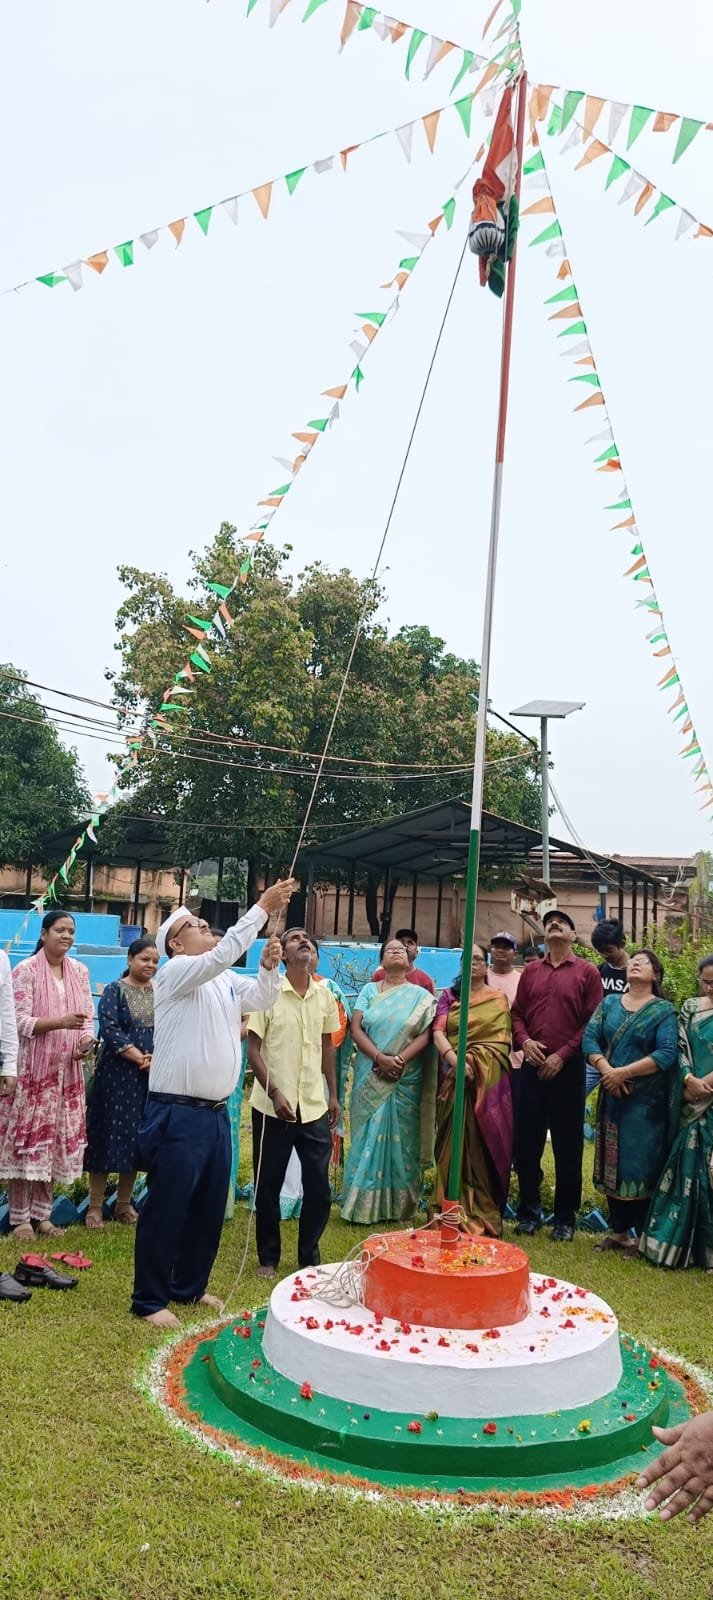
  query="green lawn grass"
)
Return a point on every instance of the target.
[{"x": 103, "y": 1500}]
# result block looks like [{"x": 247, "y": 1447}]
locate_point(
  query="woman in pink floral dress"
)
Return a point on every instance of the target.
[{"x": 42, "y": 1125}]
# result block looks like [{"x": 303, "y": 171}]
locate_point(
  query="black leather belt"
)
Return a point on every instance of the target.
[{"x": 187, "y": 1100}]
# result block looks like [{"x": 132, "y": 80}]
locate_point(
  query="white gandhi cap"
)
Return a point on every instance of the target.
[{"x": 165, "y": 928}]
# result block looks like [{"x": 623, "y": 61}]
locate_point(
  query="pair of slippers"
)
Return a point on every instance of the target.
[{"x": 36, "y": 1272}]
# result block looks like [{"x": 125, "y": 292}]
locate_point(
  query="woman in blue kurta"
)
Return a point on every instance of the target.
[
  {"x": 118, "y": 1094},
  {"x": 632, "y": 1040},
  {"x": 391, "y": 1028}
]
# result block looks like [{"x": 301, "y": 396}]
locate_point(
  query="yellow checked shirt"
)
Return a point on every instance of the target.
[{"x": 292, "y": 1034}]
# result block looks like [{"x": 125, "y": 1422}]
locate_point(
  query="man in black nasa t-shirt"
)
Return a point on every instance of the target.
[{"x": 609, "y": 941}]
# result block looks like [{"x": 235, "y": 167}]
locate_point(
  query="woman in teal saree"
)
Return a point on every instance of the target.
[
  {"x": 679, "y": 1227},
  {"x": 632, "y": 1041},
  {"x": 391, "y": 1028}
]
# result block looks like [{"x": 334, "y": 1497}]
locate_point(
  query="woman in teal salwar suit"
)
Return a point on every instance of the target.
[
  {"x": 679, "y": 1227},
  {"x": 632, "y": 1040}
]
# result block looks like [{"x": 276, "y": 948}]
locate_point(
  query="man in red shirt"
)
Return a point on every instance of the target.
[
  {"x": 409, "y": 939},
  {"x": 553, "y": 1004}
]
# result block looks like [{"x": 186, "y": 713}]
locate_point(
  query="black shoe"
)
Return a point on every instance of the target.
[
  {"x": 563, "y": 1233},
  {"x": 43, "y": 1277},
  {"x": 10, "y": 1289},
  {"x": 527, "y": 1229}
]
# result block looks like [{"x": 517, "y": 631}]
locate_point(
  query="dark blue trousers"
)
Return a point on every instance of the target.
[{"x": 185, "y": 1152}]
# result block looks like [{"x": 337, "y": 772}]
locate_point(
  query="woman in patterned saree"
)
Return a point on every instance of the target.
[
  {"x": 679, "y": 1227},
  {"x": 631, "y": 1040},
  {"x": 391, "y": 1028},
  {"x": 42, "y": 1126},
  {"x": 487, "y": 1146}
]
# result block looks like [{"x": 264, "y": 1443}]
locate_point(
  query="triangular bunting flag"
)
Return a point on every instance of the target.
[
  {"x": 639, "y": 118},
  {"x": 263, "y": 196},
  {"x": 686, "y": 134}
]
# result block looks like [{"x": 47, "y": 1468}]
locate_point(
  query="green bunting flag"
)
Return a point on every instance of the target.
[
  {"x": 200, "y": 661},
  {"x": 464, "y": 108},
  {"x": 313, "y": 6},
  {"x": 367, "y": 18},
  {"x": 690, "y": 126},
  {"x": 612, "y": 454},
  {"x": 221, "y": 589},
  {"x": 468, "y": 59},
  {"x": 570, "y": 293},
  {"x": 554, "y": 231},
  {"x": 449, "y": 211},
  {"x": 125, "y": 253},
  {"x": 569, "y": 106},
  {"x": 416, "y": 40},
  {"x": 587, "y": 377},
  {"x": 574, "y": 327},
  {"x": 203, "y": 218},
  {"x": 319, "y": 424},
  {"x": 358, "y": 377},
  {"x": 639, "y": 118},
  {"x": 535, "y": 164},
  {"x": 555, "y": 123},
  {"x": 618, "y": 167},
  {"x": 51, "y": 279},
  {"x": 292, "y": 179},
  {"x": 663, "y": 203}
]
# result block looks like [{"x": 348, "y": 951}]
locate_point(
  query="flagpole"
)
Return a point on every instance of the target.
[{"x": 476, "y": 815}]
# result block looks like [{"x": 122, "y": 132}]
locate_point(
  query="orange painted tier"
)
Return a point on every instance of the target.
[{"x": 472, "y": 1283}]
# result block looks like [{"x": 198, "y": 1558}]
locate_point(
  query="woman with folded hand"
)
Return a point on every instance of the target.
[{"x": 121, "y": 1081}]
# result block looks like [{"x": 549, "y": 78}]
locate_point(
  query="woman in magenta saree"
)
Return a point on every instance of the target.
[{"x": 488, "y": 1142}]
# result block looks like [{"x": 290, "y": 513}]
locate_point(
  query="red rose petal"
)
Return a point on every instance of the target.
[
  {"x": 414, "y": 1427},
  {"x": 307, "y": 1392},
  {"x": 490, "y": 1427}
]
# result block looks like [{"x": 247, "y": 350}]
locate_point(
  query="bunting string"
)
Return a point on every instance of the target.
[
  {"x": 430, "y": 48},
  {"x": 262, "y": 195},
  {"x": 567, "y": 308},
  {"x": 592, "y": 107},
  {"x": 209, "y": 631}
]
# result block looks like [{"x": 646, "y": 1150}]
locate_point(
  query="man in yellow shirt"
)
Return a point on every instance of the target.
[{"x": 290, "y": 1051}]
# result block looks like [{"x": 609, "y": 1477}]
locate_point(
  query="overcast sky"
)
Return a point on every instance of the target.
[{"x": 139, "y": 413}]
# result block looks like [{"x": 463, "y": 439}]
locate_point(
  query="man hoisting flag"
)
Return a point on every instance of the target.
[{"x": 495, "y": 219}]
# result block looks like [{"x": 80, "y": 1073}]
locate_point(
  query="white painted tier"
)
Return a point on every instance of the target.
[{"x": 564, "y": 1354}]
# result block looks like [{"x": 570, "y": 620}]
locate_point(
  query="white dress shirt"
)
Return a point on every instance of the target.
[
  {"x": 198, "y": 1004},
  {"x": 8, "y": 1021}
]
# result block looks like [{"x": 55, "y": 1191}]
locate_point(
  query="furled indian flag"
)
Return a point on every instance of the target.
[{"x": 495, "y": 218}]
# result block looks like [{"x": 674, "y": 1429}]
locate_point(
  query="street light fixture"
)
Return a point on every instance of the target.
[{"x": 545, "y": 710}]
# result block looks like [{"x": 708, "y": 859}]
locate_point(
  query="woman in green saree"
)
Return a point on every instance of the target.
[
  {"x": 488, "y": 1141},
  {"x": 679, "y": 1227},
  {"x": 632, "y": 1041},
  {"x": 391, "y": 1028}
]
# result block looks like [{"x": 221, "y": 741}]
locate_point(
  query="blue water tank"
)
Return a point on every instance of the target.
[{"x": 127, "y": 934}]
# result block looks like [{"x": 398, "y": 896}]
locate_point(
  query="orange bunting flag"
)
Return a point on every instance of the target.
[
  {"x": 345, "y": 154},
  {"x": 305, "y": 438},
  {"x": 490, "y": 73},
  {"x": 565, "y": 270},
  {"x": 398, "y": 31},
  {"x": 664, "y": 120},
  {"x": 369, "y": 331},
  {"x": 566, "y": 312},
  {"x": 545, "y": 204},
  {"x": 441, "y": 54},
  {"x": 586, "y": 361},
  {"x": 593, "y": 108},
  {"x": 629, "y": 522},
  {"x": 351, "y": 18},
  {"x": 177, "y": 229},
  {"x": 610, "y": 466},
  {"x": 435, "y": 222},
  {"x": 540, "y": 103},
  {"x": 337, "y": 393},
  {"x": 197, "y": 632},
  {"x": 99, "y": 261},
  {"x": 665, "y": 652},
  {"x": 594, "y": 150},
  {"x": 704, "y": 232},
  {"x": 430, "y": 127},
  {"x": 644, "y": 198},
  {"x": 596, "y": 399},
  {"x": 225, "y": 614},
  {"x": 263, "y": 195},
  {"x": 272, "y": 500}
]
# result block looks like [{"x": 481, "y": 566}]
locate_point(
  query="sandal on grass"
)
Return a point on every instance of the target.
[
  {"x": 128, "y": 1216},
  {"x": 94, "y": 1218},
  {"x": 48, "y": 1230},
  {"x": 24, "y": 1230},
  {"x": 71, "y": 1258}
]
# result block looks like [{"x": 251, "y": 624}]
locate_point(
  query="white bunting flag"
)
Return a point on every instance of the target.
[
  {"x": 230, "y": 208},
  {"x": 73, "y": 273},
  {"x": 405, "y": 138}
]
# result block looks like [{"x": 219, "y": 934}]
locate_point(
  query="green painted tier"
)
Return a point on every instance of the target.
[{"x": 230, "y": 1387}]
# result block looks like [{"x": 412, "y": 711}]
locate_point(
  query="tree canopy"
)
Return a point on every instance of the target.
[
  {"x": 235, "y": 776},
  {"x": 42, "y": 786}
]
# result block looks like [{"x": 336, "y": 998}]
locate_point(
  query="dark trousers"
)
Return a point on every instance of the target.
[
  {"x": 313, "y": 1143},
  {"x": 626, "y": 1214},
  {"x": 185, "y": 1152},
  {"x": 556, "y": 1105}
]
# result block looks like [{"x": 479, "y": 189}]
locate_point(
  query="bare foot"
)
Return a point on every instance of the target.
[
  {"x": 24, "y": 1230},
  {"x": 163, "y": 1319},
  {"x": 129, "y": 1217},
  {"x": 266, "y": 1272},
  {"x": 212, "y": 1301},
  {"x": 94, "y": 1218},
  {"x": 48, "y": 1230}
]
